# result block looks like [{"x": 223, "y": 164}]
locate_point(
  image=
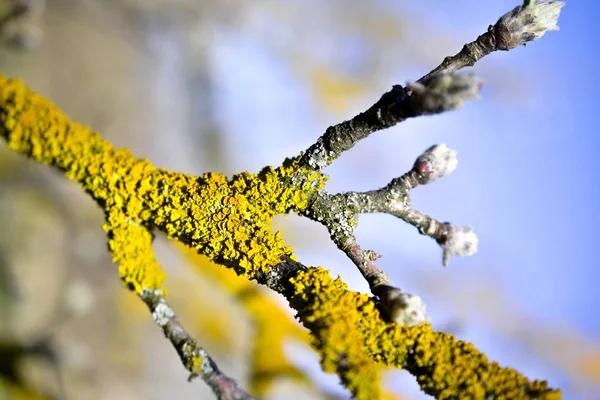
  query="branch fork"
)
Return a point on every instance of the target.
[
  {"x": 439, "y": 91},
  {"x": 339, "y": 213}
]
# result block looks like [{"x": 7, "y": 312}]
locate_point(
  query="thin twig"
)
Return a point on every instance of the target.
[
  {"x": 195, "y": 358},
  {"x": 433, "y": 96},
  {"x": 523, "y": 24},
  {"x": 339, "y": 213}
]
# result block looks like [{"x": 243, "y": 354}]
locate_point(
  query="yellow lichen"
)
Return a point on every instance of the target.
[
  {"x": 323, "y": 306},
  {"x": 193, "y": 356},
  {"x": 347, "y": 327},
  {"x": 226, "y": 220},
  {"x": 131, "y": 246},
  {"x": 273, "y": 327},
  {"x": 196, "y": 367}
]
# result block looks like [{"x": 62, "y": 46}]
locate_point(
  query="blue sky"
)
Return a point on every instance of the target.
[{"x": 527, "y": 179}]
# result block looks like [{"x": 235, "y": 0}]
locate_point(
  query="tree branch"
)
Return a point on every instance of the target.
[
  {"x": 229, "y": 222},
  {"x": 438, "y": 91}
]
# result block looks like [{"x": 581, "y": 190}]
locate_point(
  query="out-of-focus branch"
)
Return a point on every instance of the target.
[
  {"x": 15, "y": 10},
  {"x": 17, "y": 25},
  {"x": 11, "y": 362}
]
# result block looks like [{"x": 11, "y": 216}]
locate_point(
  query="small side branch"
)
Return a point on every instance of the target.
[
  {"x": 430, "y": 96},
  {"x": 339, "y": 213},
  {"x": 131, "y": 245},
  {"x": 195, "y": 358}
]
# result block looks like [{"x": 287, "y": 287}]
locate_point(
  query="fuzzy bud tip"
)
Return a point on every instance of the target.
[
  {"x": 403, "y": 308},
  {"x": 459, "y": 240},
  {"x": 435, "y": 162},
  {"x": 528, "y": 22}
]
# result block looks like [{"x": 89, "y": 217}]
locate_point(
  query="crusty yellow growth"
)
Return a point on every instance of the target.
[
  {"x": 131, "y": 246},
  {"x": 196, "y": 367},
  {"x": 228, "y": 221},
  {"x": 329, "y": 310},
  {"x": 347, "y": 326}
]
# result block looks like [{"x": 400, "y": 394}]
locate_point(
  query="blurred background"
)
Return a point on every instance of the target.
[{"x": 228, "y": 86}]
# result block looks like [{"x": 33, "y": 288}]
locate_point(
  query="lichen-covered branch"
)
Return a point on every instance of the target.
[
  {"x": 33, "y": 126},
  {"x": 272, "y": 326},
  {"x": 347, "y": 325},
  {"x": 229, "y": 221}
]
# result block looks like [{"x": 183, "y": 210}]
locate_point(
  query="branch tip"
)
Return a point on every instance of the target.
[
  {"x": 458, "y": 240},
  {"x": 435, "y": 162},
  {"x": 402, "y": 308},
  {"x": 528, "y": 22}
]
